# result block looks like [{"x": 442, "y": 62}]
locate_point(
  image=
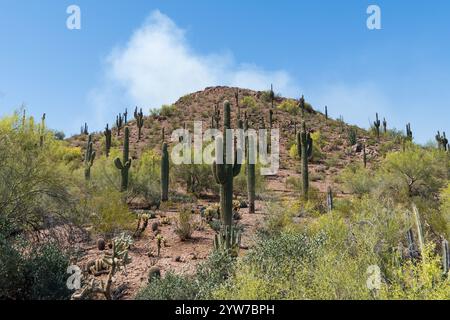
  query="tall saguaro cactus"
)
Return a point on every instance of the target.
[
  {"x": 139, "y": 116},
  {"x": 42, "y": 131},
  {"x": 326, "y": 113},
  {"x": 119, "y": 123},
  {"x": 165, "y": 173},
  {"x": 409, "y": 133},
  {"x": 302, "y": 105},
  {"x": 377, "y": 124},
  {"x": 125, "y": 164},
  {"x": 251, "y": 170},
  {"x": 108, "y": 140},
  {"x": 445, "y": 257},
  {"x": 89, "y": 158},
  {"x": 384, "y": 125},
  {"x": 305, "y": 150},
  {"x": 224, "y": 173}
]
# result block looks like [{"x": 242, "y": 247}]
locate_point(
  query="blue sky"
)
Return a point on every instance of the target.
[{"x": 151, "y": 52}]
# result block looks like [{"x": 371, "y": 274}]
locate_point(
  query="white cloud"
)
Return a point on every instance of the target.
[{"x": 158, "y": 66}]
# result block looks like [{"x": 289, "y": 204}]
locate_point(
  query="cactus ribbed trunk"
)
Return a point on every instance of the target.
[
  {"x": 125, "y": 164},
  {"x": 225, "y": 173},
  {"x": 251, "y": 173},
  {"x": 304, "y": 148},
  {"x": 108, "y": 140},
  {"x": 165, "y": 173}
]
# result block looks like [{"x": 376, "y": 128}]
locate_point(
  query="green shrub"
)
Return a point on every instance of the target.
[
  {"x": 184, "y": 223},
  {"x": 171, "y": 287}
]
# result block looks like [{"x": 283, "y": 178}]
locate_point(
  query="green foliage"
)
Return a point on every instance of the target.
[
  {"x": 290, "y": 106},
  {"x": 248, "y": 102},
  {"x": 184, "y": 226},
  {"x": 209, "y": 276},
  {"x": 38, "y": 274},
  {"x": 109, "y": 214},
  {"x": 168, "y": 110}
]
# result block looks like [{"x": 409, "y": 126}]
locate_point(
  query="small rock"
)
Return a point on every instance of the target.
[{"x": 177, "y": 259}]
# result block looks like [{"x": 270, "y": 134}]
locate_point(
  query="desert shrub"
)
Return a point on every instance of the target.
[
  {"x": 418, "y": 281},
  {"x": 357, "y": 180},
  {"x": 290, "y": 106},
  {"x": 108, "y": 212},
  {"x": 210, "y": 275},
  {"x": 37, "y": 274},
  {"x": 248, "y": 102},
  {"x": 171, "y": 287},
  {"x": 36, "y": 185},
  {"x": 146, "y": 177},
  {"x": 168, "y": 111},
  {"x": 184, "y": 223},
  {"x": 240, "y": 181}
]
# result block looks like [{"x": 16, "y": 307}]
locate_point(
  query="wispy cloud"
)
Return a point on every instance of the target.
[{"x": 157, "y": 66}]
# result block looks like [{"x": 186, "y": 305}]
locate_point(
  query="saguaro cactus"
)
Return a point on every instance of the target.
[
  {"x": 445, "y": 256},
  {"x": 251, "y": 171},
  {"x": 225, "y": 172},
  {"x": 302, "y": 105},
  {"x": 272, "y": 96},
  {"x": 108, "y": 140},
  {"x": 236, "y": 97},
  {"x": 125, "y": 164},
  {"x": 42, "y": 131},
  {"x": 89, "y": 158},
  {"x": 119, "y": 123},
  {"x": 384, "y": 125},
  {"x": 84, "y": 129},
  {"x": 377, "y": 124},
  {"x": 165, "y": 173},
  {"x": 364, "y": 156},
  {"x": 326, "y": 112},
  {"x": 304, "y": 149},
  {"x": 409, "y": 133},
  {"x": 329, "y": 199},
  {"x": 442, "y": 141},
  {"x": 125, "y": 116},
  {"x": 139, "y": 116}
]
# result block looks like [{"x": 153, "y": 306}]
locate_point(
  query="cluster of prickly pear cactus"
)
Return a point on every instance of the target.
[
  {"x": 305, "y": 152},
  {"x": 124, "y": 164},
  {"x": 442, "y": 141},
  {"x": 89, "y": 158},
  {"x": 139, "y": 116},
  {"x": 119, "y": 123},
  {"x": 377, "y": 124},
  {"x": 224, "y": 173},
  {"x": 108, "y": 140},
  {"x": 165, "y": 173}
]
